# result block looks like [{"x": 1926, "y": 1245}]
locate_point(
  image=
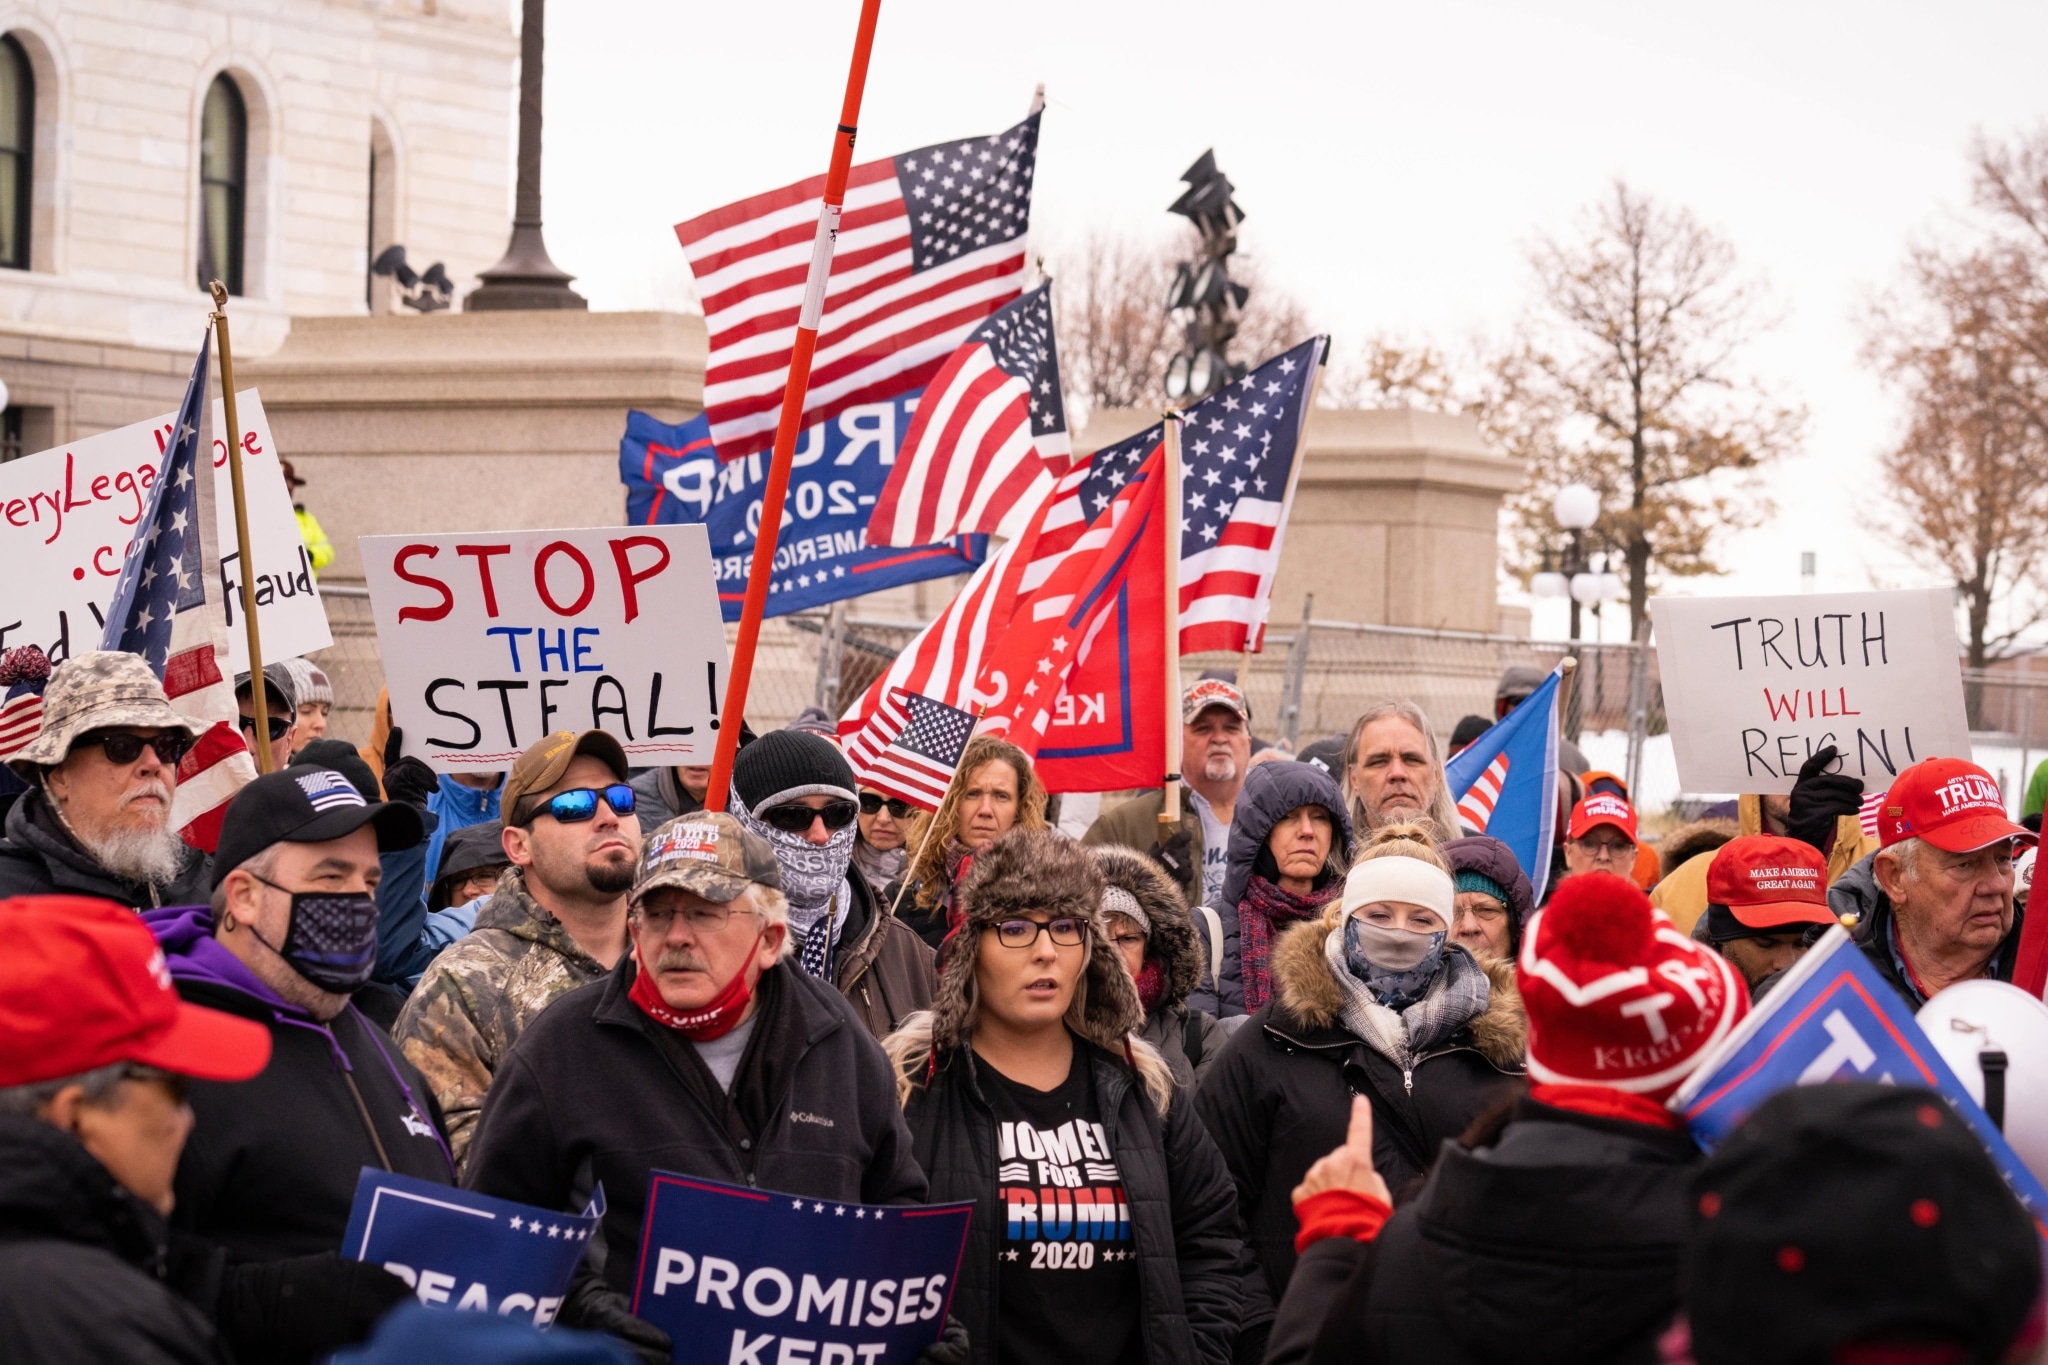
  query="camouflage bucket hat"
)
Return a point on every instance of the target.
[
  {"x": 93, "y": 691},
  {"x": 709, "y": 853}
]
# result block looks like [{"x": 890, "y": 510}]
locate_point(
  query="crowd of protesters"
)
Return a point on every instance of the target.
[{"x": 1366, "y": 1095}]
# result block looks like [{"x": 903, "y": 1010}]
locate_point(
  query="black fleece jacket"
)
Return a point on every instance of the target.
[{"x": 38, "y": 857}]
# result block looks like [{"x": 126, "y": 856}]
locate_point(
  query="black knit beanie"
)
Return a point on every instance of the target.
[{"x": 785, "y": 764}]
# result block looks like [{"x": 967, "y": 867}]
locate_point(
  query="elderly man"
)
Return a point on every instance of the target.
[
  {"x": 1216, "y": 752},
  {"x": 1394, "y": 772},
  {"x": 270, "y": 1171},
  {"x": 1945, "y": 870},
  {"x": 96, "y": 820},
  {"x": 703, "y": 1052},
  {"x": 556, "y": 921}
]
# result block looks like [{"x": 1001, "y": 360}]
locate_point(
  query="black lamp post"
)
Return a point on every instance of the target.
[
  {"x": 526, "y": 279},
  {"x": 1203, "y": 297}
]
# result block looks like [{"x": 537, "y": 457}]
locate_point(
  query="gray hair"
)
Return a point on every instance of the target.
[
  {"x": 28, "y": 1101},
  {"x": 258, "y": 864},
  {"x": 1442, "y": 811},
  {"x": 770, "y": 907}
]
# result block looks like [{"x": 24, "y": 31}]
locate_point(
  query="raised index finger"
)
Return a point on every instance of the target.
[{"x": 1359, "y": 1134}]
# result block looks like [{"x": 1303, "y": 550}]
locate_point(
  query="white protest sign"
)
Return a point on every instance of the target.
[
  {"x": 492, "y": 639},
  {"x": 1753, "y": 686},
  {"x": 67, "y": 515}
]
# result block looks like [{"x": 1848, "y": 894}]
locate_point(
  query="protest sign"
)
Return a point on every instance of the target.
[
  {"x": 736, "y": 1274},
  {"x": 67, "y": 515},
  {"x": 1754, "y": 685},
  {"x": 468, "y": 1251},
  {"x": 672, "y": 475},
  {"x": 1833, "y": 1017},
  {"x": 492, "y": 639}
]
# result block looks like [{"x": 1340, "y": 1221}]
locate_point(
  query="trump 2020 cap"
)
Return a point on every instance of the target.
[
  {"x": 1949, "y": 802},
  {"x": 708, "y": 853},
  {"x": 1602, "y": 808}
]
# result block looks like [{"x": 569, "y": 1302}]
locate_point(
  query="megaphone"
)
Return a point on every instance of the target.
[{"x": 1994, "y": 1036}]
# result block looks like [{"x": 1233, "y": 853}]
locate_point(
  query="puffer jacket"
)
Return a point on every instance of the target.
[
  {"x": 456, "y": 806},
  {"x": 1188, "y": 1038},
  {"x": 1270, "y": 791},
  {"x": 38, "y": 857}
]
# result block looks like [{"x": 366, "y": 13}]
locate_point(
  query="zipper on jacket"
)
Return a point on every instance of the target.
[
  {"x": 1408, "y": 1078},
  {"x": 369, "y": 1125}
]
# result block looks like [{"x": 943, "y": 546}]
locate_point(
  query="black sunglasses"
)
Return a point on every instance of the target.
[
  {"x": 573, "y": 807},
  {"x": 872, "y": 802},
  {"x": 278, "y": 725},
  {"x": 170, "y": 746},
  {"x": 796, "y": 818}
]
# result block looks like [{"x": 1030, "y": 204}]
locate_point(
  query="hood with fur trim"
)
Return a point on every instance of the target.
[
  {"x": 1173, "y": 939},
  {"x": 1687, "y": 842},
  {"x": 1302, "y": 986}
]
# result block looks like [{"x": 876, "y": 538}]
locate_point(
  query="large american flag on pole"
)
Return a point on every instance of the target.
[
  {"x": 931, "y": 242},
  {"x": 911, "y": 747},
  {"x": 165, "y": 609},
  {"x": 989, "y": 437}
]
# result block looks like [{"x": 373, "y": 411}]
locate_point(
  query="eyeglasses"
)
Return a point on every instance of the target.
[
  {"x": 796, "y": 818},
  {"x": 574, "y": 807},
  {"x": 702, "y": 919},
  {"x": 278, "y": 725},
  {"x": 871, "y": 803},
  {"x": 1126, "y": 941},
  {"x": 1066, "y": 931},
  {"x": 170, "y": 746}
]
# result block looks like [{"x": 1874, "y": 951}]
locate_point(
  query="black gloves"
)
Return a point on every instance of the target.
[
  {"x": 1177, "y": 855},
  {"x": 950, "y": 1348},
  {"x": 299, "y": 1309},
  {"x": 406, "y": 779},
  {"x": 1819, "y": 798},
  {"x": 596, "y": 1306}
]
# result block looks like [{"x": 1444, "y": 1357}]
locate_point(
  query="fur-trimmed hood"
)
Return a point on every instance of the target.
[
  {"x": 1687, "y": 842},
  {"x": 1302, "y": 986},
  {"x": 1172, "y": 939}
]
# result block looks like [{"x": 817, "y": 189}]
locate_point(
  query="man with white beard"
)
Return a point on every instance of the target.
[{"x": 96, "y": 820}]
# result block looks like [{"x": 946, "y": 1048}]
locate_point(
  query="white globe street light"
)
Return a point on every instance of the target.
[
  {"x": 1549, "y": 584},
  {"x": 1575, "y": 506}
]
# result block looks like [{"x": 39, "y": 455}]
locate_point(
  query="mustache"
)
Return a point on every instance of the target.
[
  {"x": 680, "y": 960},
  {"x": 151, "y": 786}
]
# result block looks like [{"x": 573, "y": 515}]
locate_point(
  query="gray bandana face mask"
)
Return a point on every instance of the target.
[
  {"x": 1396, "y": 965},
  {"x": 811, "y": 873}
]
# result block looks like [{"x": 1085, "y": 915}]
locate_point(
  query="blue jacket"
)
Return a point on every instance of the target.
[{"x": 459, "y": 807}]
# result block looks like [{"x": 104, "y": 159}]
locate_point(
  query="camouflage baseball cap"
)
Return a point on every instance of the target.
[
  {"x": 93, "y": 691},
  {"x": 709, "y": 853}
]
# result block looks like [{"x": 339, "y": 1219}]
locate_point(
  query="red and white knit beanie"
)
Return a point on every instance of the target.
[{"x": 1618, "y": 997}]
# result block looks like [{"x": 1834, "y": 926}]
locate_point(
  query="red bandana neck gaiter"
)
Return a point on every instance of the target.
[{"x": 715, "y": 1020}]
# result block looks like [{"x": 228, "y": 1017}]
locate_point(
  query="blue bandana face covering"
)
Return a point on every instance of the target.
[{"x": 1394, "y": 964}]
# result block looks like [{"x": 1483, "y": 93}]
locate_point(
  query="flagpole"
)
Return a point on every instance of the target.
[
  {"x": 924, "y": 842},
  {"x": 258, "y": 692},
  {"x": 763, "y": 568},
  {"x": 1169, "y": 808}
]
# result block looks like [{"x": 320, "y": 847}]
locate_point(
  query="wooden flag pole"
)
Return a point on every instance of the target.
[
  {"x": 258, "y": 692},
  {"x": 924, "y": 842},
  {"x": 1169, "y": 809},
  {"x": 734, "y": 709}
]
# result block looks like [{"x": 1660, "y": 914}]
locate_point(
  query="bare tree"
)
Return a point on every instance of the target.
[
  {"x": 1630, "y": 377},
  {"x": 1394, "y": 372}
]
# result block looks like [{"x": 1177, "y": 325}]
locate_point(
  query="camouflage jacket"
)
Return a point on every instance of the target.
[{"x": 473, "y": 1002}]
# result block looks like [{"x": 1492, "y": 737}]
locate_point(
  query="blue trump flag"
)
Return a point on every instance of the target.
[
  {"x": 735, "y": 1274},
  {"x": 672, "y": 474},
  {"x": 468, "y": 1250},
  {"x": 1505, "y": 782},
  {"x": 1832, "y": 1017}
]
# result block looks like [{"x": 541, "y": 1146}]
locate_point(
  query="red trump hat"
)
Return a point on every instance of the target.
[
  {"x": 1949, "y": 802},
  {"x": 1767, "y": 881},
  {"x": 1602, "y": 808},
  {"x": 84, "y": 985}
]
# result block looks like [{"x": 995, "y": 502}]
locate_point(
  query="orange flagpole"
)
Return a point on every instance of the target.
[{"x": 734, "y": 709}]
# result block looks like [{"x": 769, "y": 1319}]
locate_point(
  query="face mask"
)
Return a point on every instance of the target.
[
  {"x": 332, "y": 938},
  {"x": 1395, "y": 964},
  {"x": 716, "y": 1019}
]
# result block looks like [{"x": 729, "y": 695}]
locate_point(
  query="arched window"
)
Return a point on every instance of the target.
[
  {"x": 17, "y": 152},
  {"x": 223, "y": 180}
]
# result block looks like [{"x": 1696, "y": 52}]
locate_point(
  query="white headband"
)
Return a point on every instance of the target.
[{"x": 1409, "y": 881}]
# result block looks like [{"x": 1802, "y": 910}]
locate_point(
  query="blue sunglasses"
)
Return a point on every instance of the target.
[{"x": 572, "y": 807}]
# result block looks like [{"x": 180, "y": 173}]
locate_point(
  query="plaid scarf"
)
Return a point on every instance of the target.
[
  {"x": 1458, "y": 993},
  {"x": 1264, "y": 906}
]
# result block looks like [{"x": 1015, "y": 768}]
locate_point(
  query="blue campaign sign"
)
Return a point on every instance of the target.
[
  {"x": 466, "y": 1250},
  {"x": 749, "y": 1277},
  {"x": 1834, "y": 1018},
  {"x": 672, "y": 474},
  {"x": 1505, "y": 782}
]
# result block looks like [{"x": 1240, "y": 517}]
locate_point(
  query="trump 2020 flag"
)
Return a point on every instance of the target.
[
  {"x": 1505, "y": 782},
  {"x": 1832, "y": 1017}
]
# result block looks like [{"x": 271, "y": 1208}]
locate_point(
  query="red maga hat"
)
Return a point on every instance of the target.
[
  {"x": 1949, "y": 802},
  {"x": 1602, "y": 808},
  {"x": 84, "y": 985},
  {"x": 1767, "y": 881}
]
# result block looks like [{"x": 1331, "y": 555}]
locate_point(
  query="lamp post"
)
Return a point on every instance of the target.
[
  {"x": 527, "y": 278},
  {"x": 1575, "y": 508},
  {"x": 1203, "y": 299}
]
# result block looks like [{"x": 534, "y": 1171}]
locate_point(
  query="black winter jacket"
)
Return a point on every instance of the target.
[
  {"x": 1279, "y": 1097},
  {"x": 82, "y": 1262},
  {"x": 1559, "y": 1244},
  {"x": 1182, "y": 1213},
  {"x": 38, "y": 857},
  {"x": 1856, "y": 892},
  {"x": 884, "y": 969},
  {"x": 595, "y": 1089}
]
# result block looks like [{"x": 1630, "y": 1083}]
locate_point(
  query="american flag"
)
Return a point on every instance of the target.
[
  {"x": 989, "y": 437},
  {"x": 24, "y": 672},
  {"x": 929, "y": 244},
  {"x": 1866, "y": 813},
  {"x": 1476, "y": 807},
  {"x": 164, "y": 610},
  {"x": 911, "y": 747}
]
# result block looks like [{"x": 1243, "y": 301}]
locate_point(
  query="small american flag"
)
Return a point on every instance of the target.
[
  {"x": 911, "y": 747},
  {"x": 164, "y": 610},
  {"x": 24, "y": 672},
  {"x": 1866, "y": 813},
  {"x": 1477, "y": 806},
  {"x": 930, "y": 243},
  {"x": 989, "y": 437}
]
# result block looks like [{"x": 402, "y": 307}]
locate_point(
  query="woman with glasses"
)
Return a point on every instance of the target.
[
  {"x": 796, "y": 790},
  {"x": 879, "y": 849},
  {"x": 1494, "y": 896},
  {"x": 1104, "y": 1230},
  {"x": 1147, "y": 921}
]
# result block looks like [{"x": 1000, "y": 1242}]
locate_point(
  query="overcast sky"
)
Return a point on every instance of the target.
[{"x": 1394, "y": 160}]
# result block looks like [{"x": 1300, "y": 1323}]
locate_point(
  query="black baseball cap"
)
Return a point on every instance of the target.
[
  {"x": 1853, "y": 1214},
  {"x": 305, "y": 804}
]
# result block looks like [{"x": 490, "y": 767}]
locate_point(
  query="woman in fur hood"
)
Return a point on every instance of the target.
[
  {"x": 1371, "y": 999},
  {"x": 1105, "y": 1226},
  {"x": 1149, "y": 925}
]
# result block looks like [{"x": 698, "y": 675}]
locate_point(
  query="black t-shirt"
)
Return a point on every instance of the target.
[{"x": 1067, "y": 1272}]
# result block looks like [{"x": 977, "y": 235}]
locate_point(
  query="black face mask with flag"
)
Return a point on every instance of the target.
[{"x": 332, "y": 937}]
